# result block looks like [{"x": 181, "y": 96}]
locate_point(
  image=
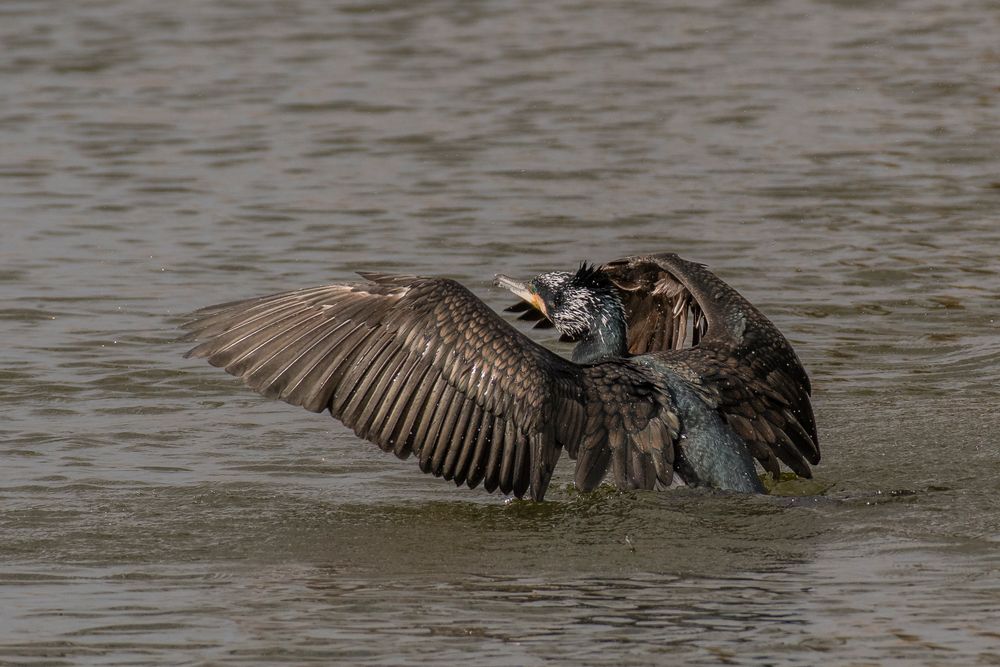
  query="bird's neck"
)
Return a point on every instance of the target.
[{"x": 606, "y": 340}]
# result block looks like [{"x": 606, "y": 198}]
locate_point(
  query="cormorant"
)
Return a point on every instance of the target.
[{"x": 421, "y": 366}]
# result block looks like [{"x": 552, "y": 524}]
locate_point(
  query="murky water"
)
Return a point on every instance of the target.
[{"x": 837, "y": 161}]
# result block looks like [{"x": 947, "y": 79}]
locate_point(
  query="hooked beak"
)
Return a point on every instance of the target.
[{"x": 521, "y": 290}]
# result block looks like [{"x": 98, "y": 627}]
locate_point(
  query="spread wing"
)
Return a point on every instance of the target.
[
  {"x": 422, "y": 367},
  {"x": 737, "y": 357}
]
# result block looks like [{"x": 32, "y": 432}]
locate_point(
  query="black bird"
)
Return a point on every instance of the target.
[{"x": 421, "y": 366}]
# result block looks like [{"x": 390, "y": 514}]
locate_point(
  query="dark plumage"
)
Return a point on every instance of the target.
[{"x": 422, "y": 367}]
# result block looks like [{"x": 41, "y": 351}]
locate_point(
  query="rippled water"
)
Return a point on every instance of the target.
[{"x": 837, "y": 161}]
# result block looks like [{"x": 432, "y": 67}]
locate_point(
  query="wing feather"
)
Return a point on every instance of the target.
[
  {"x": 422, "y": 413},
  {"x": 317, "y": 385},
  {"x": 433, "y": 449},
  {"x": 461, "y": 430},
  {"x": 735, "y": 354},
  {"x": 467, "y": 448},
  {"x": 417, "y": 365},
  {"x": 736, "y": 357},
  {"x": 491, "y": 478},
  {"x": 421, "y": 366},
  {"x": 393, "y": 406},
  {"x": 632, "y": 426},
  {"x": 377, "y": 390},
  {"x": 484, "y": 441}
]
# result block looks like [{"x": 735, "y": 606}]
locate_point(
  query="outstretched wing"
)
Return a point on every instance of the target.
[
  {"x": 738, "y": 358},
  {"x": 421, "y": 366}
]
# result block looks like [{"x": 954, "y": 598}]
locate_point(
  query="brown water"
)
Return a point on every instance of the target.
[{"x": 837, "y": 161}]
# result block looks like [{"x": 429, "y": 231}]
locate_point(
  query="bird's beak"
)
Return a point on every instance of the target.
[{"x": 521, "y": 290}]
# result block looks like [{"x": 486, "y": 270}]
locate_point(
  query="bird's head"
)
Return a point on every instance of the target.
[{"x": 577, "y": 304}]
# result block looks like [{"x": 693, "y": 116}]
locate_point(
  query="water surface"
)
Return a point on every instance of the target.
[{"x": 835, "y": 161}]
